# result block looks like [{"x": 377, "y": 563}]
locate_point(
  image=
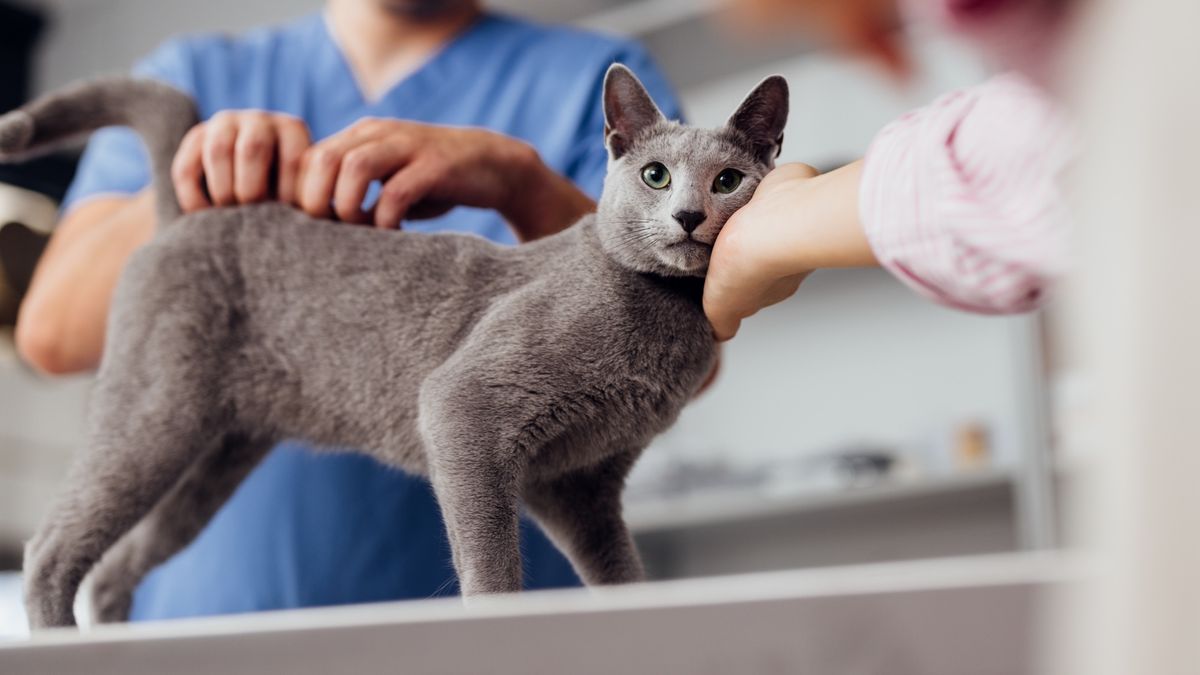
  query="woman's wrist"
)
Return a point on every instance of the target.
[{"x": 825, "y": 229}]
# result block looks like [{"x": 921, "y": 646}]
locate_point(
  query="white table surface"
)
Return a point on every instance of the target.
[{"x": 942, "y": 617}]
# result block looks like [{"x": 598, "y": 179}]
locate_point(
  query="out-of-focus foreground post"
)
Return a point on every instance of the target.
[{"x": 1139, "y": 329}]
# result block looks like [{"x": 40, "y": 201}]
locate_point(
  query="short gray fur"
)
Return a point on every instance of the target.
[{"x": 533, "y": 374}]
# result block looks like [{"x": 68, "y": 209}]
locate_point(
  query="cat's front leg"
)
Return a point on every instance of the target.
[
  {"x": 478, "y": 499},
  {"x": 581, "y": 513},
  {"x": 472, "y": 432}
]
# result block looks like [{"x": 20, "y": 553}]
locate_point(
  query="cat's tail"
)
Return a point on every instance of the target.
[{"x": 159, "y": 113}]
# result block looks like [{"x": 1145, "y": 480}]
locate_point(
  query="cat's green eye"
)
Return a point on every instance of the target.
[
  {"x": 656, "y": 175},
  {"x": 727, "y": 181}
]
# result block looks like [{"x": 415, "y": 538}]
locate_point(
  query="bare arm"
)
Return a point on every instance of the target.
[
  {"x": 61, "y": 325},
  {"x": 797, "y": 222},
  {"x": 549, "y": 204}
]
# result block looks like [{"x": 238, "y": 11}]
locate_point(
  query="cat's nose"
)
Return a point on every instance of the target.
[{"x": 689, "y": 220}]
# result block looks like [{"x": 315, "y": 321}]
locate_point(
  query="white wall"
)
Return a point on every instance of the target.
[
  {"x": 98, "y": 36},
  {"x": 838, "y": 104},
  {"x": 855, "y": 357}
]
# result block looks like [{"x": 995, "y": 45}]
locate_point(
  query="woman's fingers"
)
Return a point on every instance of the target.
[
  {"x": 721, "y": 309},
  {"x": 792, "y": 170},
  {"x": 739, "y": 282},
  {"x": 734, "y": 294},
  {"x": 782, "y": 289},
  {"x": 726, "y": 329}
]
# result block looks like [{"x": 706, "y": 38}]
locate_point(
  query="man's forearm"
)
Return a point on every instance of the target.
[
  {"x": 61, "y": 325},
  {"x": 549, "y": 202}
]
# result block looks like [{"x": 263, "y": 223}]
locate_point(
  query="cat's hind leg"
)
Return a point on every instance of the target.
[
  {"x": 174, "y": 522},
  {"x": 112, "y": 487},
  {"x": 157, "y": 406},
  {"x": 581, "y": 513}
]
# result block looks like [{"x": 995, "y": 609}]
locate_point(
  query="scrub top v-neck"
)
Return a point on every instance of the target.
[{"x": 306, "y": 528}]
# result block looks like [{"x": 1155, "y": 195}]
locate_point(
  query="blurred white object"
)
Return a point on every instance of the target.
[
  {"x": 32, "y": 209},
  {"x": 12, "y": 610},
  {"x": 1139, "y": 337}
]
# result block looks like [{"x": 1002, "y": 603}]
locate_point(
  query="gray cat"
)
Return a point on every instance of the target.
[{"x": 533, "y": 374}]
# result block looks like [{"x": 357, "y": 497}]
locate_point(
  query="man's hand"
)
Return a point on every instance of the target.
[
  {"x": 426, "y": 170},
  {"x": 247, "y": 156},
  {"x": 796, "y": 222},
  {"x": 240, "y": 157}
]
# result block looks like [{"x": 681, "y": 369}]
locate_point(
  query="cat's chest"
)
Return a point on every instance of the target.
[{"x": 641, "y": 326}]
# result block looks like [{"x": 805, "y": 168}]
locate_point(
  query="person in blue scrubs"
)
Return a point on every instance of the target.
[{"x": 309, "y": 529}]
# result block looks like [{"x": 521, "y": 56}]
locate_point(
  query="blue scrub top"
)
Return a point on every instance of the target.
[{"x": 309, "y": 529}]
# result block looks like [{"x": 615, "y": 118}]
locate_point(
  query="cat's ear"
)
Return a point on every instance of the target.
[
  {"x": 762, "y": 117},
  {"x": 628, "y": 109}
]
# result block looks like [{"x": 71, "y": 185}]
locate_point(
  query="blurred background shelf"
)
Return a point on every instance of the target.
[
  {"x": 731, "y": 507},
  {"x": 640, "y": 18},
  {"x": 969, "y": 514}
]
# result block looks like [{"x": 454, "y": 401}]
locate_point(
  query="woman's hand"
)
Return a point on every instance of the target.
[
  {"x": 426, "y": 170},
  {"x": 797, "y": 222},
  {"x": 240, "y": 157}
]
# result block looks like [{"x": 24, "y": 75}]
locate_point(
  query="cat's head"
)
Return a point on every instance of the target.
[{"x": 670, "y": 188}]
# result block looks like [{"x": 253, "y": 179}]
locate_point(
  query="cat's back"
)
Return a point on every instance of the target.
[{"x": 276, "y": 255}]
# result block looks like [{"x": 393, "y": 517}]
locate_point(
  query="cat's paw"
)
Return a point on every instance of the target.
[
  {"x": 48, "y": 603},
  {"x": 111, "y": 599}
]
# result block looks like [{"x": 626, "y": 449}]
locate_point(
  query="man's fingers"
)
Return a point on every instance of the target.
[
  {"x": 319, "y": 170},
  {"x": 402, "y": 191},
  {"x": 231, "y": 159},
  {"x": 318, "y": 173},
  {"x": 217, "y": 156},
  {"x": 360, "y": 166},
  {"x": 253, "y": 155},
  {"x": 293, "y": 141},
  {"x": 187, "y": 172}
]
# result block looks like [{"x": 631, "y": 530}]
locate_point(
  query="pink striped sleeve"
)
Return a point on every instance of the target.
[{"x": 961, "y": 199}]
